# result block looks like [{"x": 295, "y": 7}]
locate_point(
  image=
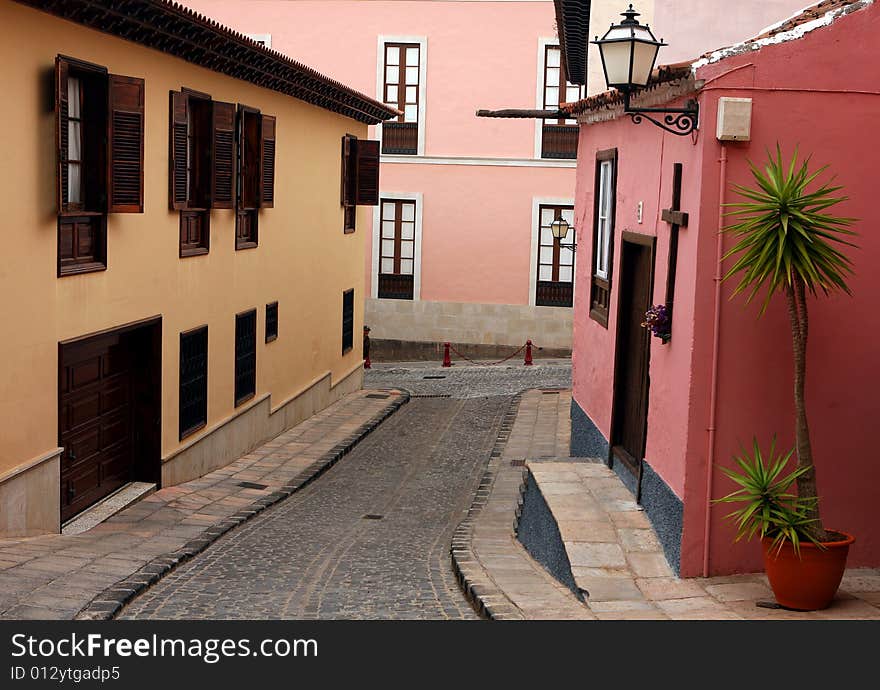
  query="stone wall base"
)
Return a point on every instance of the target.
[
  {"x": 477, "y": 324},
  {"x": 253, "y": 426},
  {"x": 30, "y": 498}
]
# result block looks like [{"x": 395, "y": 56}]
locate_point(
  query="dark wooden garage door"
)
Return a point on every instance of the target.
[{"x": 108, "y": 415}]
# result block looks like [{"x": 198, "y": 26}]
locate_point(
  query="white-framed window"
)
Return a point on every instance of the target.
[
  {"x": 397, "y": 246},
  {"x": 605, "y": 192},
  {"x": 603, "y": 219}
]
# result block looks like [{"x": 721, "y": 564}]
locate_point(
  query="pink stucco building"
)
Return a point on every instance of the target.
[{"x": 670, "y": 415}]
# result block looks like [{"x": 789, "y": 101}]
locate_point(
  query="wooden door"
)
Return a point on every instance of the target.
[
  {"x": 108, "y": 415},
  {"x": 631, "y": 380}
]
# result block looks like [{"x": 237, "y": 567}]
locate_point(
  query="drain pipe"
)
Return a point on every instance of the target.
[{"x": 716, "y": 339}]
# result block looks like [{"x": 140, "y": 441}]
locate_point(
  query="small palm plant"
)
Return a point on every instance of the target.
[
  {"x": 787, "y": 242},
  {"x": 770, "y": 510}
]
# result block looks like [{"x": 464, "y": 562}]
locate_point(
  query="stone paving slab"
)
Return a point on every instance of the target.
[
  {"x": 613, "y": 551},
  {"x": 499, "y": 576},
  {"x": 91, "y": 575},
  {"x": 618, "y": 562}
]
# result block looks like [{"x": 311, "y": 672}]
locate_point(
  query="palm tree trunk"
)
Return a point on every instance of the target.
[{"x": 797, "y": 311}]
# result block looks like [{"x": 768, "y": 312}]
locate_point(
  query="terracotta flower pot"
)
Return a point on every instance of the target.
[{"x": 808, "y": 582}]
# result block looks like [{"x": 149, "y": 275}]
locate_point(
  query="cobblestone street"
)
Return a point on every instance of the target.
[{"x": 369, "y": 539}]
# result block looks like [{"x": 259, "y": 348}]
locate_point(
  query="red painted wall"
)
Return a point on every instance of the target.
[{"x": 821, "y": 93}]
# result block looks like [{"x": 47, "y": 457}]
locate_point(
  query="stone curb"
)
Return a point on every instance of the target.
[
  {"x": 107, "y": 604},
  {"x": 485, "y": 596}
]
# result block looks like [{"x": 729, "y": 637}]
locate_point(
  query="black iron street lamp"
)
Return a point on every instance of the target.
[
  {"x": 559, "y": 228},
  {"x": 629, "y": 51}
]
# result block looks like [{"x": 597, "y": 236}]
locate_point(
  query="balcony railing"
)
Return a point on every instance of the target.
[
  {"x": 393, "y": 286},
  {"x": 550, "y": 294},
  {"x": 560, "y": 141},
  {"x": 400, "y": 138}
]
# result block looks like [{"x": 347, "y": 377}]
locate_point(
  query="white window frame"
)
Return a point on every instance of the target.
[
  {"x": 603, "y": 219},
  {"x": 422, "y": 42},
  {"x": 537, "y": 202},
  {"x": 418, "y": 197}
]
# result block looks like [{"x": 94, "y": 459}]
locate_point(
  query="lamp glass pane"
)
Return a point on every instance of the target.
[
  {"x": 616, "y": 58},
  {"x": 643, "y": 62}
]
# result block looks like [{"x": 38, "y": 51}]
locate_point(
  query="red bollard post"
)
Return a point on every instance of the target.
[
  {"x": 447, "y": 360},
  {"x": 528, "y": 361}
]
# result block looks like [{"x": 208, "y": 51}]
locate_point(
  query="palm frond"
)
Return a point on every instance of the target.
[{"x": 784, "y": 233}]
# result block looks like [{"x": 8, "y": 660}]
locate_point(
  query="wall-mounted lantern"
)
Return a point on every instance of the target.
[
  {"x": 629, "y": 51},
  {"x": 559, "y": 228}
]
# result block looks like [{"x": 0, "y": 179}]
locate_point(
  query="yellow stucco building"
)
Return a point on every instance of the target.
[{"x": 178, "y": 260}]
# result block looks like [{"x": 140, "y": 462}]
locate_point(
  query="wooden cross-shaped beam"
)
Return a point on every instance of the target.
[{"x": 677, "y": 219}]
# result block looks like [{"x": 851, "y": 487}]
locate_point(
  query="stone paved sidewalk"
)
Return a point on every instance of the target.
[
  {"x": 612, "y": 549},
  {"x": 615, "y": 557},
  {"x": 90, "y": 575},
  {"x": 497, "y": 573}
]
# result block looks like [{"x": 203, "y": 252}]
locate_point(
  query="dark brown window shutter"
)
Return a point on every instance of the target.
[
  {"x": 267, "y": 187},
  {"x": 249, "y": 155},
  {"x": 126, "y": 145},
  {"x": 349, "y": 147},
  {"x": 177, "y": 138},
  {"x": 367, "y": 188},
  {"x": 224, "y": 156},
  {"x": 61, "y": 131}
]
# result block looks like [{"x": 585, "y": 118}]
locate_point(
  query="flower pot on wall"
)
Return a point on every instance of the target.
[{"x": 807, "y": 582}]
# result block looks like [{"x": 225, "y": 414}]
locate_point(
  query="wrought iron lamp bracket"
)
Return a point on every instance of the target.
[{"x": 678, "y": 121}]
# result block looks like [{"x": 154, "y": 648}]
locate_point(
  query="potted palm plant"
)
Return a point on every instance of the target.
[{"x": 788, "y": 243}]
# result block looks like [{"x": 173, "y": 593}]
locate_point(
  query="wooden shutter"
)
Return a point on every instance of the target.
[
  {"x": 249, "y": 154},
  {"x": 223, "y": 178},
  {"x": 267, "y": 186},
  {"x": 125, "y": 172},
  {"x": 349, "y": 145},
  {"x": 61, "y": 131},
  {"x": 367, "y": 188},
  {"x": 177, "y": 152}
]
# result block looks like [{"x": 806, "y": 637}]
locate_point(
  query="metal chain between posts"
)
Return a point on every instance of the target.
[{"x": 487, "y": 364}]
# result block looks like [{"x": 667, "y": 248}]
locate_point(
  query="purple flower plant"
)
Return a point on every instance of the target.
[{"x": 657, "y": 319}]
